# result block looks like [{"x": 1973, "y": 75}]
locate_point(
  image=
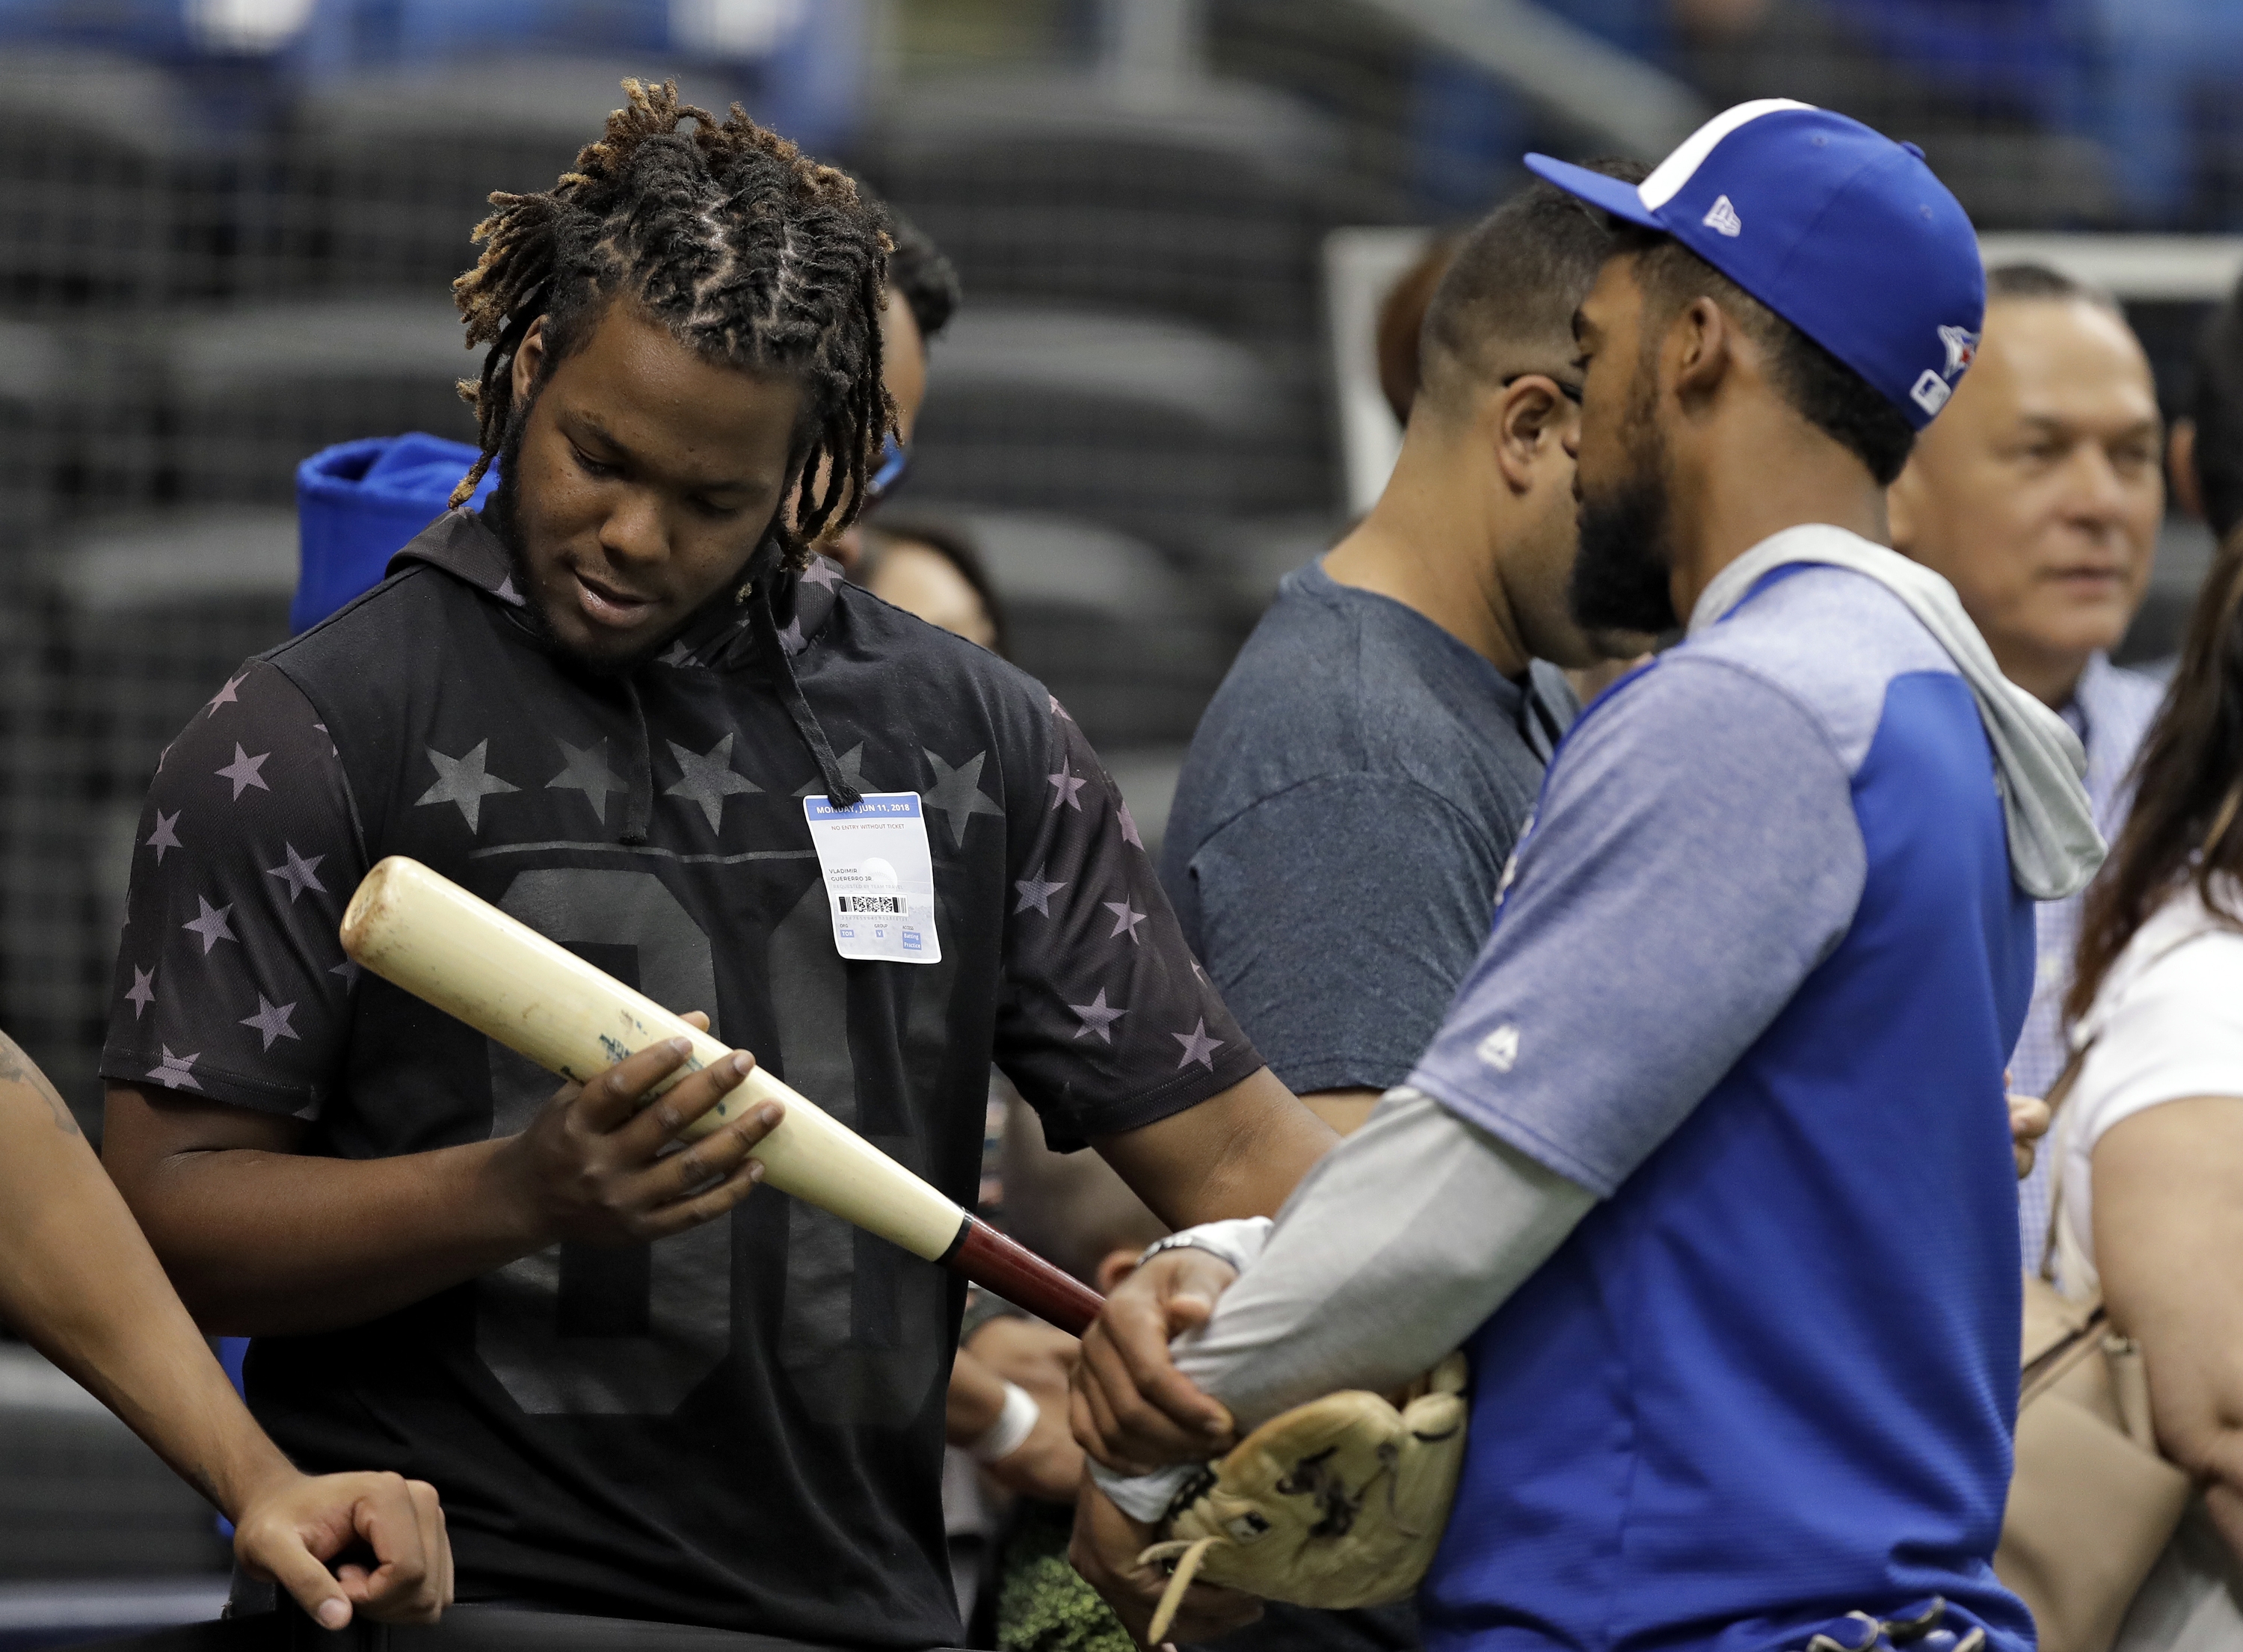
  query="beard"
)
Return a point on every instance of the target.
[
  {"x": 1620, "y": 575},
  {"x": 503, "y": 514}
]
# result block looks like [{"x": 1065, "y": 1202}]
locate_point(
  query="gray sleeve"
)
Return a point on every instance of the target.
[
  {"x": 1392, "y": 1251},
  {"x": 1696, "y": 856},
  {"x": 1336, "y": 919}
]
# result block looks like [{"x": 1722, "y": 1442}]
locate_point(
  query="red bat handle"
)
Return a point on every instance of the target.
[{"x": 1022, "y": 1277}]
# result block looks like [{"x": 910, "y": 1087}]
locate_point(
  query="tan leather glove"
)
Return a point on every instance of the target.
[{"x": 1337, "y": 1503}]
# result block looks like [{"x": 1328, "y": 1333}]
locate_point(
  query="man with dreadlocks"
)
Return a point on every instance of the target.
[{"x": 604, "y": 704}]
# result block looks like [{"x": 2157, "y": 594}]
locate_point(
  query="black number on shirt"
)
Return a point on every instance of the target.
[
  {"x": 599, "y": 1329},
  {"x": 861, "y": 1336}
]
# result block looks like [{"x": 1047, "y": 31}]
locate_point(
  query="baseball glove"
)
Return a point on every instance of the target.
[{"x": 1336, "y": 1503}]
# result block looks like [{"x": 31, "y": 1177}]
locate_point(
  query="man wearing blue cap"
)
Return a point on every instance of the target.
[{"x": 1708, "y": 1169}]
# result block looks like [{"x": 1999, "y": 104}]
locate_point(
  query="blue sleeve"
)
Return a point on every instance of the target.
[
  {"x": 1696, "y": 856},
  {"x": 1337, "y": 918}
]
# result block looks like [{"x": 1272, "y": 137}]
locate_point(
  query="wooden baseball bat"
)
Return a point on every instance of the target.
[{"x": 418, "y": 928}]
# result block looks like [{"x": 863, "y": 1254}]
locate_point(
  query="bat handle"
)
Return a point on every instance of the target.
[{"x": 1022, "y": 1277}]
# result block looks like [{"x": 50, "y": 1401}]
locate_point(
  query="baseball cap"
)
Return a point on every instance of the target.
[{"x": 1842, "y": 231}]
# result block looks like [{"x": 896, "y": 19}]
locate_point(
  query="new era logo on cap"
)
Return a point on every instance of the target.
[{"x": 1853, "y": 241}]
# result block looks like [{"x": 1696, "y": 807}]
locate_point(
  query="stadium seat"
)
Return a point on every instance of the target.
[
  {"x": 109, "y": 194},
  {"x": 392, "y": 172},
  {"x": 139, "y": 621},
  {"x": 1131, "y": 649},
  {"x": 82, "y": 1498},
  {"x": 1209, "y": 207},
  {"x": 252, "y": 394},
  {"x": 1152, "y": 425}
]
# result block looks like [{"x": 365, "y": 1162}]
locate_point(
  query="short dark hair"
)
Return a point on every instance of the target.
[
  {"x": 1516, "y": 277},
  {"x": 1823, "y": 390},
  {"x": 2215, "y": 403},
  {"x": 2042, "y": 282},
  {"x": 918, "y": 271},
  {"x": 1402, "y": 324},
  {"x": 744, "y": 248}
]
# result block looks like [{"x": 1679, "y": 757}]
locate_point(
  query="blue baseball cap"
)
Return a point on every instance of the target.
[{"x": 1843, "y": 232}]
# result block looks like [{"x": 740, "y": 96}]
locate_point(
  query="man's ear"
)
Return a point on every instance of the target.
[
  {"x": 1701, "y": 343},
  {"x": 1531, "y": 417},
  {"x": 528, "y": 357},
  {"x": 2180, "y": 467}
]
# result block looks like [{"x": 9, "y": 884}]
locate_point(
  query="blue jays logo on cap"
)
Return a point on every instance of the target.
[{"x": 1843, "y": 232}]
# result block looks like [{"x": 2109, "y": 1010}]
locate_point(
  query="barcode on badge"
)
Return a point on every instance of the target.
[{"x": 873, "y": 906}]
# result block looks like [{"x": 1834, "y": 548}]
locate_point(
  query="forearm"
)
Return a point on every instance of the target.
[
  {"x": 1396, "y": 1248},
  {"x": 80, "y": 1284},
  {"x": 1240, "y": 1154},
  {"x": 2167, "y": 1227},
  {"x": 1394, "y": 1251},
  {"x": 274, "y": 1244}
]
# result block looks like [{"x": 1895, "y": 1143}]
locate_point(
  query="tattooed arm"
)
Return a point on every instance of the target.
[{"x": 79, "y": 1283}]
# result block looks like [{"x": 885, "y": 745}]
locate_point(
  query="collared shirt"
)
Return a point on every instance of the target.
[{"x": 2110, "y": 711}]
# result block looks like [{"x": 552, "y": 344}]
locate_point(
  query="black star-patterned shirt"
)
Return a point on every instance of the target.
[{"x": 742, "y": 1426}]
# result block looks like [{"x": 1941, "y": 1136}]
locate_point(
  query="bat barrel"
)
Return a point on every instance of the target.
[{"x": 421, "y": 931}]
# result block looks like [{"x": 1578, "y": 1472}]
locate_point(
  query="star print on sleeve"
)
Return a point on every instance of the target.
[
  {"x": 225, "y": 696},
  {"x": 1100, "y": 981},
  {"x": 243, "y": 772},
  {"x": 1064, "y": 789},
  {"x": 1036, "y": 892},
  {"x": 464, "y": 781},
  {"x": 1126, "y": 920},
  {"x": 211, "y": 924},
  {"x": 270, "y": 1019},
  {"x": 1198, "y": 1046},
  {"x": 166, "y": 836},
  {"x": 298, "y": 874},
  {"x": 243, "y": 911},
  {"x": 175, "y": 1072},
  {"x": 1098, "y": 1018}
]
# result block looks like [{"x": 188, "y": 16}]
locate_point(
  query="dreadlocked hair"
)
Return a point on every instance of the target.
[{"x": 747, "y": 250}]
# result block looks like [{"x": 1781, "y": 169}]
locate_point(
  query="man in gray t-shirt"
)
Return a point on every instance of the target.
[{"x": 1356, "y": 788}]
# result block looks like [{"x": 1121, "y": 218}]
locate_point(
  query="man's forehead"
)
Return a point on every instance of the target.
[
  {"x": 1607, "y": 294},
  {"x": 2054, "y": 360},
  {"x": 709, "y": 468}
]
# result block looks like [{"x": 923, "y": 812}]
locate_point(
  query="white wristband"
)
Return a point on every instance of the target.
[
  {"x": 1237, "y": 1240},
  {"x": 1011, "y": 1430}
]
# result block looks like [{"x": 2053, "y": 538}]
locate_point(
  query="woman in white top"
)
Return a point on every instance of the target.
[{"x": 2151, "y": 1134}]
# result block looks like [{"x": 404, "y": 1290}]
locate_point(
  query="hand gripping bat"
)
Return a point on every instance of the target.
[{"x": 420, "y": 930}]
